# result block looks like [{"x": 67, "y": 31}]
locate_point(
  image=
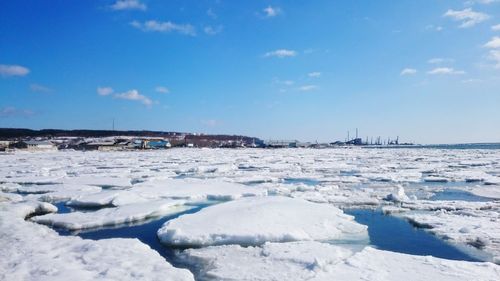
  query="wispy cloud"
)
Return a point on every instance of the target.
[
  {"x": 283, "y": 82},
  {"x": 13, "y": 70},
  {"x": 281, "y": 53},
  {"x": 134, "y": 95},
  {"x": 211, "y": 13},
  {"x": 210, "y": 122},
  {"x": 314, "y": 74},
  {"x": 494, "y": 55},
  {"x": 104, "y": 91},
  {"x": 270, "y": 11},
  {"x": 128, "y": 5},
  {"x": 472, "y": 2},
  {"x": 472, "y": 80},
  {"x": 467, "y": 17},
  {"x": 494, "y": 43},
  {"x": 212, "y": 30},
  {"x": 166, "y": 27},
  {"x": 408, "y": 71},
  {"x": 434, "y": 28},
  {"x": 162, "y": 90},
  {"x": 37, "y": 88},
  {"x": 445, "y": 71},
  {"x": 440, "y": 60},
  {"x": 308, "y": 88},
  {"x": 10, "y": 111},
  {"x": 496, "y": 27}
]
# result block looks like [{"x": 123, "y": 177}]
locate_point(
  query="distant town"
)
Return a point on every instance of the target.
[{"x": 110, "y": 140}]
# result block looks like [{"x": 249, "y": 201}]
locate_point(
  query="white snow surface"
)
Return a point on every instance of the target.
[
  {"x": 346, "y": 178},
  {"x": 467, "y": 227},
  {"x": 112, "y": 216},
  {"x": 254, "y": 221},
  {"x": 309, "y": 260},
  {"x": 35, "y": 252}
]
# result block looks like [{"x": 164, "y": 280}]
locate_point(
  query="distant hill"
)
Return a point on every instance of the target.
[{"x": 11, "y": 133}]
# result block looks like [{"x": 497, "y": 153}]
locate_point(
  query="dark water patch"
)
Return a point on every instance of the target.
[
  {"x": 257, "y": 182},
  {"x": 89, "y": 208},
  {"x": 145, "y": 231},
  {"x": 26, "y": 192},
  {"x": 306, "y": 181},
  {"x": 62, "y": 208},
  {"x": 442, "y": 146},
  {"x": 458, "y": 195},
  {"x": 397, "y": 235}
]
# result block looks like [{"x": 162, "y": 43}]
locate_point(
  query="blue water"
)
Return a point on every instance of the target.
[
  {"x": 145, "y": 231},
  {"x": 397, "y": 235},
  {"x": 310, "y": 182},
  {"x": 458, "y": 195},
  {"x": 441, "y": 146},
  {"x": 63, "y": 208},
  {"x": 386, "y": 233}
]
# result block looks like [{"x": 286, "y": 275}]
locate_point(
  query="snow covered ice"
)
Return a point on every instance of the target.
[
  {"x": 254, "y": 221},
  {"x": 320, "y": 261},
  {"x": 112, "y": 216},
  {"x": 35, "y": 252},
  {"x": 265, "y": 215}
]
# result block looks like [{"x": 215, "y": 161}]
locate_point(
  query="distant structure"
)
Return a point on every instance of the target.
[{"x": 34, "y": 145}]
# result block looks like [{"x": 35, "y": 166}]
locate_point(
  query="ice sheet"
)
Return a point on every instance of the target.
[
  {"x": 319, "y": 261},
  {"x": 254, "y": 221},
  {"x": 34, "y": 252},
  {"x": 112, "y": 216}
]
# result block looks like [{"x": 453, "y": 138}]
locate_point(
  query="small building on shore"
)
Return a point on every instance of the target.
[{"x": 34, "y": 145}]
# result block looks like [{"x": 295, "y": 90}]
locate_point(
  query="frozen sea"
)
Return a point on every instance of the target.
[{"x": 252, "y": 214}]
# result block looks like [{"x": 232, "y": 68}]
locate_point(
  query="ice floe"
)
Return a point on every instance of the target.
[
  {"x": 35, "y": 252},
  {"x": 320, "y": 261},
  {"x": 254, "y": 221},
  {"x": 473, "y": 227},
  {"x": 112, "y": 216},
  {"x": 125, "y": 186}
]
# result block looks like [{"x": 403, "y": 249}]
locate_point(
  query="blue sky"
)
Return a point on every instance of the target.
[{"x": 428, "y": 71}]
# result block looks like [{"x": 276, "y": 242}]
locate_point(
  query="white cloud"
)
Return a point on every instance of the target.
[
  {"x": 445, "y": 71},
  {"x": 440, "y": 60},
  {"x": 472, "y": 2},
  {"x": 467, "y": 17},
  {"x": 281, "y": 53},
  {"x": 128, "y": 5},
  {"x": 40, "y": 88},
  {"x": 472, "y": 80},
  {"x": 495, "y": 27},
  {"x": 314, "y": 74},
  {"x": 495, "y": 56},
  {"x": 13, "y": 70},
  {"x": 271, "y": 11},
  {"x": 211, "y": 30},
  {"x": 210, "y": 122},
  {"x": 211, "y": 13},
  {"x": 134, "y": 95},
  {"x": 434, "y": 28},
  {"x": 168, "y": 26},
  {"x": 104, "y": 91},
  {"x": 283, "y": 82},
  {"x": 494, "y": 43},
  {"x": 308, "y": 88},
  {"x": 408, "y": 71},
  {"x": 14, "y": 112},
  {"x": 162, "y": 90}
]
